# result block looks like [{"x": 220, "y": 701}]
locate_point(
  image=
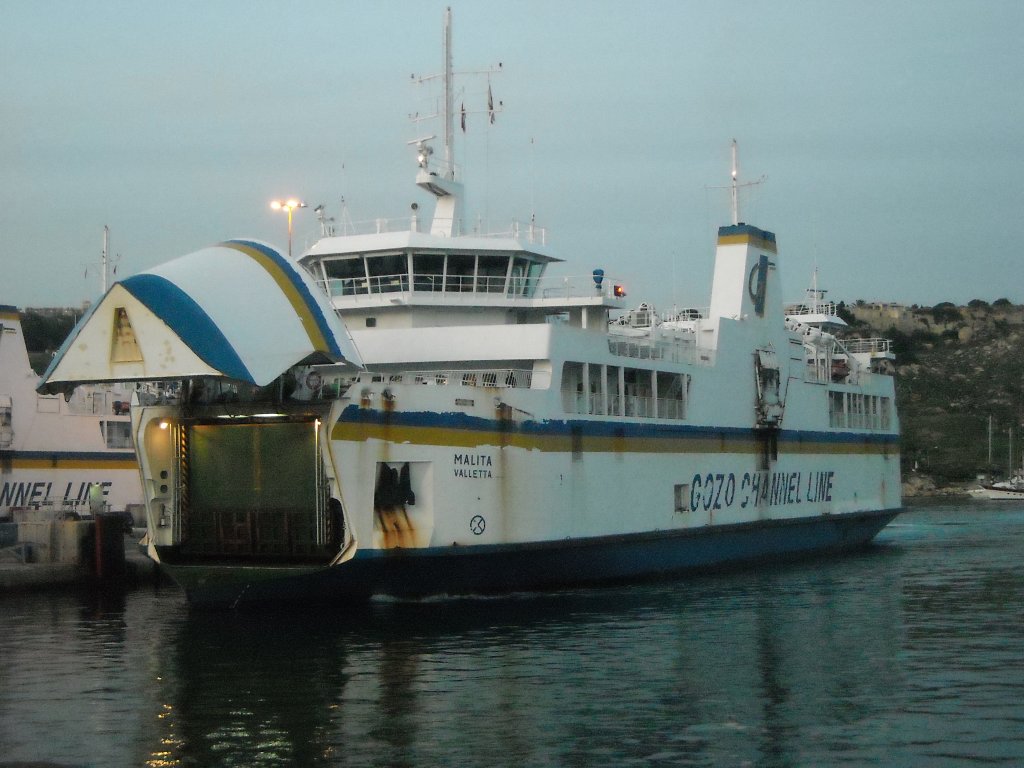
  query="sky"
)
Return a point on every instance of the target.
[{"x": 888, "y": 135}]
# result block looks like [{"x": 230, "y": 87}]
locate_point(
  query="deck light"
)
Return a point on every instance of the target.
[{"x": 288, "y": 205}]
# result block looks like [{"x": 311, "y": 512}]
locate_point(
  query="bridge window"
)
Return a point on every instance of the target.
[
  {"x": 428, "y": 271},
  {"x": 461, "y": 270},
  {"x": 491, "y": 273},
  {"x": 388, "y": 273},
  {"x": 346, "y": 277}
]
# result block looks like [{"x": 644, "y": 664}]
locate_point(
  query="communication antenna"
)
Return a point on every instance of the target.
[
  {"x": 326, "y": 222},
  {"x": 735, "y": 185},
  {"x": 447, "y": 112},
  {"x": 108, "y": 264},
  {"x": 103, "y": 258}
]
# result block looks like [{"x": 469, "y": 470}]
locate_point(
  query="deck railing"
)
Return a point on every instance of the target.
[
  {"x": 861, "y": 346},
  {"x": 456, "y": 287},
  {"x": 527, "y": 232}
]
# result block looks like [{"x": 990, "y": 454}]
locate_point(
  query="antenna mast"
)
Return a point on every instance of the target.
[
  {"x": 103, "y": 258},
  {"x": 734, "y": 187},
  {"x": 449, "y": 99}
]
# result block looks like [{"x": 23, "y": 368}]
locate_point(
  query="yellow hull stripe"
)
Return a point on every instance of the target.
[{"x": 284, "y": 282}]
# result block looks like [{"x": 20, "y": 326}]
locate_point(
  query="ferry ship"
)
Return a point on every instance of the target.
[
  {"x": 70, "y": 456},
  {"x": 423, "y": 410}
]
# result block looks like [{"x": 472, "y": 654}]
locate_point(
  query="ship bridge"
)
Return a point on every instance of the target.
[{"x": 411, "y": 278}]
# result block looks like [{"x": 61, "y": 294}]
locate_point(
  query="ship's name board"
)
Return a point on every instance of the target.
[
  {"x": 721, "y": 490},
  {"x": 473, "y": 466},
  {"x": 14, "y": 494}
]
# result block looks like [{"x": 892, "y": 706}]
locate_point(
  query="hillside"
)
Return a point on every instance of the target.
[{"x": 956, "y": 367}]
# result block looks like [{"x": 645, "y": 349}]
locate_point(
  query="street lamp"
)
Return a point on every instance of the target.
[{"x": 288, "y": 205}]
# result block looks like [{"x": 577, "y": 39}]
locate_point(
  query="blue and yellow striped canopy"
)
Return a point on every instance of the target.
[{"x": 239, "y": 309}]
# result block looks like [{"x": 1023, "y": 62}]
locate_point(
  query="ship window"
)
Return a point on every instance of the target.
[
  {"x": 6, "y": 428},
  {"x": 117, "y": 434},
  {"x": 125, "y": 348},
  {"x": 533, "y": 278},
  {"x": 427, "y": 271},
  {"x": 491, "y": 273},
  {"x": 461, "y": 268},
  {"x": 573, "y": 400},
  {"x": 682, "y": 498},
  {"x": 388, "y": 273},
  {"x": 672, "y": 389},
  {"x": 518, "y": 284},
  {"x": 836, "y": 410},
  {"x": 346, "y": 277}
]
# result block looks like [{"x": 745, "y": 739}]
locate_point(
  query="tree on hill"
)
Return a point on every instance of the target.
[
  {"x": 45, "y": 332},
  {"x": 946, "y": 312}
]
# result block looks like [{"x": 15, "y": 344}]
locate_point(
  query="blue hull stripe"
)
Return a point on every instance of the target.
[
  {"x": 75, "y": 455},
  {"x": 354, "y": 414},
  {"x": 189, "y": 321}
]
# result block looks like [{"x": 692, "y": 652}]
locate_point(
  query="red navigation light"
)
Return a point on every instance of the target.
[{"x": 619, "y": 291}]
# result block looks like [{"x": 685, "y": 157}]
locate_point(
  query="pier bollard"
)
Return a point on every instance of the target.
[{"x": 109, "y": 546}]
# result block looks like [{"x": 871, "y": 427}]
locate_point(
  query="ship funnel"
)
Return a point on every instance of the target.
[{"x": 746, "y": 283}]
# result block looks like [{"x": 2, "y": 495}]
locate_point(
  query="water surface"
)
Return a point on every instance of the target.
[{"x": 910, "y": 653}]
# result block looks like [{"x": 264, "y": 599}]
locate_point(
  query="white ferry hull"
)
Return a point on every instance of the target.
[
  {"x": 499, "y": 511},
  {"x": 61, "y": 480}
]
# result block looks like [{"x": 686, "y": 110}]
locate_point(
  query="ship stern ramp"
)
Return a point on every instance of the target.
[{"x": 222, "y": 477}]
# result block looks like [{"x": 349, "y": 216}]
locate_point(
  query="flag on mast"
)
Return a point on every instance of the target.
[
  {"x": 490, "y": 102},
  {"x": 463, "y": 117}
]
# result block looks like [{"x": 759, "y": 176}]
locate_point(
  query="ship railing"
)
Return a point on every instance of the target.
[
  {"x": 827, "y": 308},
  {"x": 500, "y": 378},
  {"x": 634, "y": 406},
  {"x": 867, "y": 346},
  {"x": 673, "y": 351},
  {"x": 528, "y": 232},
  {"x": 456, "y": 287}
]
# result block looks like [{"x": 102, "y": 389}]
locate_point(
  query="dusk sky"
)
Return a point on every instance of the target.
[{"x": 890, "y": 134}]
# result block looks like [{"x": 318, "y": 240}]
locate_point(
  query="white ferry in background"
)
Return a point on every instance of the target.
[
  {"x": 59, "y": 453},
  {"x": 476, "y": 425}
]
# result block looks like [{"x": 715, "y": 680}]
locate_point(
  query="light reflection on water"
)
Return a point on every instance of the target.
[{"x": 907, "y": 654}]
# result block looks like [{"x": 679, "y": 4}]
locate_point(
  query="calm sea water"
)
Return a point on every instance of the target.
[{"x": 909, "y": 654}]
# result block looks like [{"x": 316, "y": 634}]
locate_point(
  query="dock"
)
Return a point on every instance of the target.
[{"x": 44, "y": 554}]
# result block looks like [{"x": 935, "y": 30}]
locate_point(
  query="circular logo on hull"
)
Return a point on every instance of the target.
[{"x": 477, "y": 525}]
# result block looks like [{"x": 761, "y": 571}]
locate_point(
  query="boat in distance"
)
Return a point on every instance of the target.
[
  {"x": 425, "y": 410},
  {"x": 1000, "y": 490}
]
